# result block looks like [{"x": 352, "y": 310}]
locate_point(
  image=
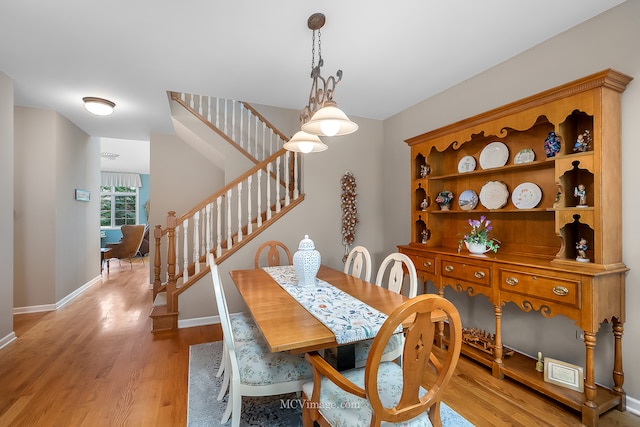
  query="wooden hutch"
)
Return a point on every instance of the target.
[{"x": 536, "y": 266}]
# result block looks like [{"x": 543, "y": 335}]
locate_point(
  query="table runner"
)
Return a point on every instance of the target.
[{"x": 347, "y": 317}]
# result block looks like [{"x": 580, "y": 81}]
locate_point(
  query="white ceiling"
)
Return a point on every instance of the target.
[{"x": 132, "y": 52}]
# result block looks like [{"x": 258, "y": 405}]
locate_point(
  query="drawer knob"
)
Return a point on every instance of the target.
[
  {"x": 427, "y": 264},
  {"x": 560, "y": 290},
  {"x": 448, "y": 268},
  {"x": 511, "y": 281},
  {"x": 479, "y": 274}
]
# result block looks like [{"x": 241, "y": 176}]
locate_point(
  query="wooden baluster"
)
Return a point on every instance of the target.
[
  {"x": 226, "y": 127},
  {"x": 200, "y": 111},
  {"x": 219, "y": 226},
  {"x": 177, "y": 246},
  {"x": 207, "y": 213},
  {"x": 196, "y": 241},
  {"x": 185, "y": 251},
  {"x": 287, "y": 192},
  {"x": 218, "y": 113},
  {"x": 296, "y": 190},
  {"x": 229, "y": 240},
  {"x": 192, "y": 101},
  {"x": 268, "y": 183},
  {"x": 203, "y": 230},
  {"x": 257, "y": 119},
  {"x": 259, "y": 210},
  {"x": 209, "y": 109},
  {"x": 240, "y": 212},
  {"x": 233, "y": 120},
  {"x": 264, "y": 133},
  {"x": 248, "y": 131},
  {"x": 278, "y": 204},
  {"x": 249, "y": 219},
  {"x": 183, "y": 97},
  {"x": 241, "y": 127}
]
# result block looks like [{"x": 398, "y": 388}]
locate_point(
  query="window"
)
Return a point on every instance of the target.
[{"x": 118, "y": 206}]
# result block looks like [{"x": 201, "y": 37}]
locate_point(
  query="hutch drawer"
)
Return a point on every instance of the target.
[
  {"x": 553, "y": 289},
  {"x": 467, "y": 272}
]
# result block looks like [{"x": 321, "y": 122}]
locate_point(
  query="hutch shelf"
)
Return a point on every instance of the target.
[{"x": 542, "y": 200}]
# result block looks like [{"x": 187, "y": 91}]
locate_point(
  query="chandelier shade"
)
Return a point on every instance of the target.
[
  {"x": 329, "y": 121},
  {"x": 303, "y": 142}
]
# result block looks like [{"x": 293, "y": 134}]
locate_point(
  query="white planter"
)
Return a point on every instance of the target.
[{"x": 477, "y": 248}]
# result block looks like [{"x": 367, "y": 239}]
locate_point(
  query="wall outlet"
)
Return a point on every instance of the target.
[{"x": 579, "y": 335}]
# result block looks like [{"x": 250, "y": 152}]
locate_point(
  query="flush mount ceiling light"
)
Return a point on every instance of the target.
[
  {"x": 321, "y": 116},
  {"x": 98, "y": 106}
]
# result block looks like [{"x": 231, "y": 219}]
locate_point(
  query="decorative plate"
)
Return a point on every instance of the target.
[
  {"x": 526, "y": 196},
  {"x": 494, "y": 155},
  {"x": 494, "y": 195},
  {"x": 466, "y": 164},
  {"x": 468, "y": 200},
  {"x": 526, "y": 155}
]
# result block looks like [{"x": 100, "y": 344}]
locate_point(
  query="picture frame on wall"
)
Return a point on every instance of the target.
[
  {"x": 563, "y": 374},
  {"x": 83, "y": 195}
]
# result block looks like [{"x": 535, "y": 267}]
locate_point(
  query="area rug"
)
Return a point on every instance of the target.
[{"x": 205, "y": 410}]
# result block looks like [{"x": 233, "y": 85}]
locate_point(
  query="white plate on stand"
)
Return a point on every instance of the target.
[
  {"x": 526, "y": 196},
  {"x": 466, "y": 164},
  {"x": 494, "y": 155},
  {"x": 494, "y": 195}
]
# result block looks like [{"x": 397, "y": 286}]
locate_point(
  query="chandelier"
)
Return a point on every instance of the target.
[{"x": 321, "y": 116}]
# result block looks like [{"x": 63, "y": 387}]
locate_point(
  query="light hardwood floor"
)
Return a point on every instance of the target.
[{"x": 95, "y": 362}]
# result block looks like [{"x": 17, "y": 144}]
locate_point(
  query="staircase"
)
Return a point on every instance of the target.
[{"x": 233, "y": 215}]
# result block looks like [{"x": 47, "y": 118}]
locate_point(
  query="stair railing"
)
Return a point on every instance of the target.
[
  {"x": 235, "y": 121},
  {"x": 224, "y": 222}
]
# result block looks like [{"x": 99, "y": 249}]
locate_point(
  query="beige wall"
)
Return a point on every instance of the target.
[
  {"x": 607, "y": 41},
  {"x": 6, "y": 208},
  {"x": 51, "y": 229}
]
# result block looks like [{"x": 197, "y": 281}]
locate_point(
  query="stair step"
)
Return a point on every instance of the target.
[
  {"x": 161, "y": 299},
  {"x": 163, "y": 320}
]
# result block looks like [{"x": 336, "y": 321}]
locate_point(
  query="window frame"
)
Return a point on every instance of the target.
[{"x": 135, "y": 191}]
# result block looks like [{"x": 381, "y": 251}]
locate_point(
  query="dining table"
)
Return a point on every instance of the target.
[{"x": 287, "y": 326}]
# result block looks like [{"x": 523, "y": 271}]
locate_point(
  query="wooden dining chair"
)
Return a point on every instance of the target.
[
  {"x": 253, "y": 369},
  {"x": 392, "y": 269},
  {"x": 275, "y": 250},
  {"x": 358, "y": 260},
  {"x": 385, "y": 391}
]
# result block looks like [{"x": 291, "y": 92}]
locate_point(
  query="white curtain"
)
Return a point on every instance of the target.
[{"x": 118, "y": 179}]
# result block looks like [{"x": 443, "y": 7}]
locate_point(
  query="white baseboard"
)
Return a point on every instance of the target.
[
  {"x": 198, "y": 321},
  {"x": 633, "y": 405},
  {"x": 59, "y": 304},
  {"x": 8, "y": 339}
]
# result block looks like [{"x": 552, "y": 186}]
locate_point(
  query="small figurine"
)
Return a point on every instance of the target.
[
  {"x": 425, "y": 236},
  {"x": 582, "y": 247},
  {"x": 552, "y": 144},
  {"x": 424, "y": 204},
  {"x": 583, "y": 142},
  {"x": 424, "y": 170},
  {"x": 581, "y": 194},
  {"x": 540, "y": 363}
]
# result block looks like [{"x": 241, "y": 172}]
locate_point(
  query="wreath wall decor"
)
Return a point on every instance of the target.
[{"x": 349, "y": 211}]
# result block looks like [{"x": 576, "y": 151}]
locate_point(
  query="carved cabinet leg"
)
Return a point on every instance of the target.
[
  {"x": 618, "y": 374},
  {"x": 496, "y": 368}
]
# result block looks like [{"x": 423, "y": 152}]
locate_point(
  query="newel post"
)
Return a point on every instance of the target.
[{"x": 157, "y": 261}]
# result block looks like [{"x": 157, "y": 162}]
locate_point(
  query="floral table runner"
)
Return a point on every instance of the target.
[{"x": 347, "y": 317}]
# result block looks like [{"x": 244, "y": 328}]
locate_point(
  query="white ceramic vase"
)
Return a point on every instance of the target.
[
  {"x": 477, "y": 248},
  {"x": 306, "y": 262}
]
